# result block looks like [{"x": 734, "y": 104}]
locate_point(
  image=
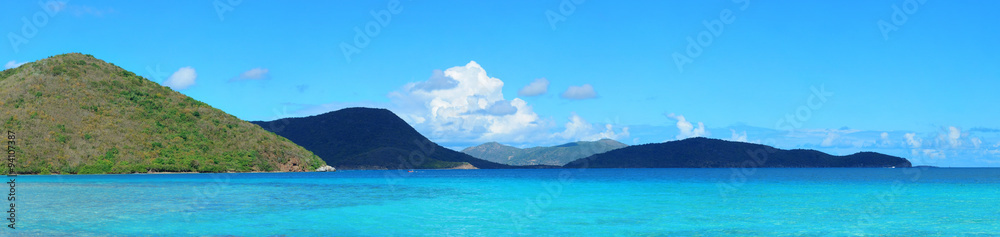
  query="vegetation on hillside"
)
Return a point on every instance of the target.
[
  {"x": 554, "y": 155},
  {"x": 75, "y": 114},
  {"x": 365, "y": 138},
  {"x": 713, "y": 153}
]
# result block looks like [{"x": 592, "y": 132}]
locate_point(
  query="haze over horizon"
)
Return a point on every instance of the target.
[{"x": 914, "y": 79}]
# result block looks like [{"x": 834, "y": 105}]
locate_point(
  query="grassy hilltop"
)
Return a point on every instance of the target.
[
  {"x": 75, "y": 114},
  {"x": 554, "y": 155}
]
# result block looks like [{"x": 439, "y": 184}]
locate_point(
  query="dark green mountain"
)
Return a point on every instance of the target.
[
  {"x": 714, "y": 153},
  {"x": 554, "y": 155},
  {"x": 365, "y": 138},
  {"x": 75, "y": 114}
]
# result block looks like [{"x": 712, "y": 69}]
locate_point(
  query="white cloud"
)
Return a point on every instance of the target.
[
  {"x": 578, "y": 129},
  {"x": 609, "y": 133},
  {"x": 738, "y": 137},
  {"x": 952, "y": 137},
  {"x": 12, "y": 64},
  {"x": 586, "y": 91},
  {"x": 686, "y": 129},
  {"x": 884, "y": 139},
  {"x": 252, "y": 74},
  {"x": 181, "y": 79},
  {"x": 535, "y": 88},
  {"x": 912, "y": 140},
  {"x": 830, "y": 137},
  {"x": 976, "y": 142},
  {"x": 934, "y": 153},
  {"x": 464, "y": 104},
  {"x": 503, "y": 107}
]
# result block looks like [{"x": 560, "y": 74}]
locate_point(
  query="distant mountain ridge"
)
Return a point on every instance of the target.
[
  {"x": 367, "y": 138},
  {"x": 714, "y": 153},
  {"x": 554, "y": 155},
  {"x": 76, "y": 114}
]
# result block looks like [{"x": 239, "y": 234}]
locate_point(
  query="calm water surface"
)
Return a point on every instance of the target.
[{"x": 563, "y": 202}]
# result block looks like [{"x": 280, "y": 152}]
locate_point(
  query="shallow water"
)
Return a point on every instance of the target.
[{"x": 674, "y": 202}]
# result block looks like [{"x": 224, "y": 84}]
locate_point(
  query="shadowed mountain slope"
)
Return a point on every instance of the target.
[
  {"x": 714, "y": 153},
  {"x": 366, "y": 138}
]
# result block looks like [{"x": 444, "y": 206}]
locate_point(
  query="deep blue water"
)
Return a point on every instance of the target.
[{"x": 556, "y": 202}]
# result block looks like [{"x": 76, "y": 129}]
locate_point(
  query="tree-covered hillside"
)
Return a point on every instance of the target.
[
  {"x": 75, "y": 114},
  {"x": 553, "y": 155},
  {"x": 366, "y": 138},
  {"x": 714, "y": 153}
]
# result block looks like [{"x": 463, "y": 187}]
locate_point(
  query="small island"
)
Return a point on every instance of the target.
[{"x": 701, "y": 152}]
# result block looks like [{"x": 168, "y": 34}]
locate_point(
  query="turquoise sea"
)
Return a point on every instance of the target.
[{"x": 552, "y": 202}]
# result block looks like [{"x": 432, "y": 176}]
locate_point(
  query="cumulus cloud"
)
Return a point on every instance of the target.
[
  {"x": 952, "y": 136},
  {"x": 12, "y": 64},
  {"x": 912, "y": 140},
  {"x": 686, "y": 129},
  {"x": 578, "y": 129},
  {"x": 609, "y": 133},
  {"x": 503, "y": 107},
  {"x": 884, "y": 139},
  {"x": 464, "y": 104},
  {"x": 976, "y": 142},
  {"x": 586, "y": 91},
  {"x": 252, "y": 74},
  {"x": 438, "y": 81},
  {"x": 830, "y": 137},
  {"x": 932, "y": 153},
  {"x": 181, "y": 79},
  {"x": 535, "y": 88}
]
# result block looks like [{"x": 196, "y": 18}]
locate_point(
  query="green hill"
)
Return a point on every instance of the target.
[
  {"x": 554, "y": 155},
  {"x": 75, "y": 114},
  {"x": 365, "y": 138},
  {"x": 714, "y": 153}
]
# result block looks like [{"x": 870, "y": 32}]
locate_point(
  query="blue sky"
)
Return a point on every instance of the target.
[{"x": 908, "y": 78}]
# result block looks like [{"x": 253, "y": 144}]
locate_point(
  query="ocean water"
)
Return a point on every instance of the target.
[{"x": 555, "y": 202}]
